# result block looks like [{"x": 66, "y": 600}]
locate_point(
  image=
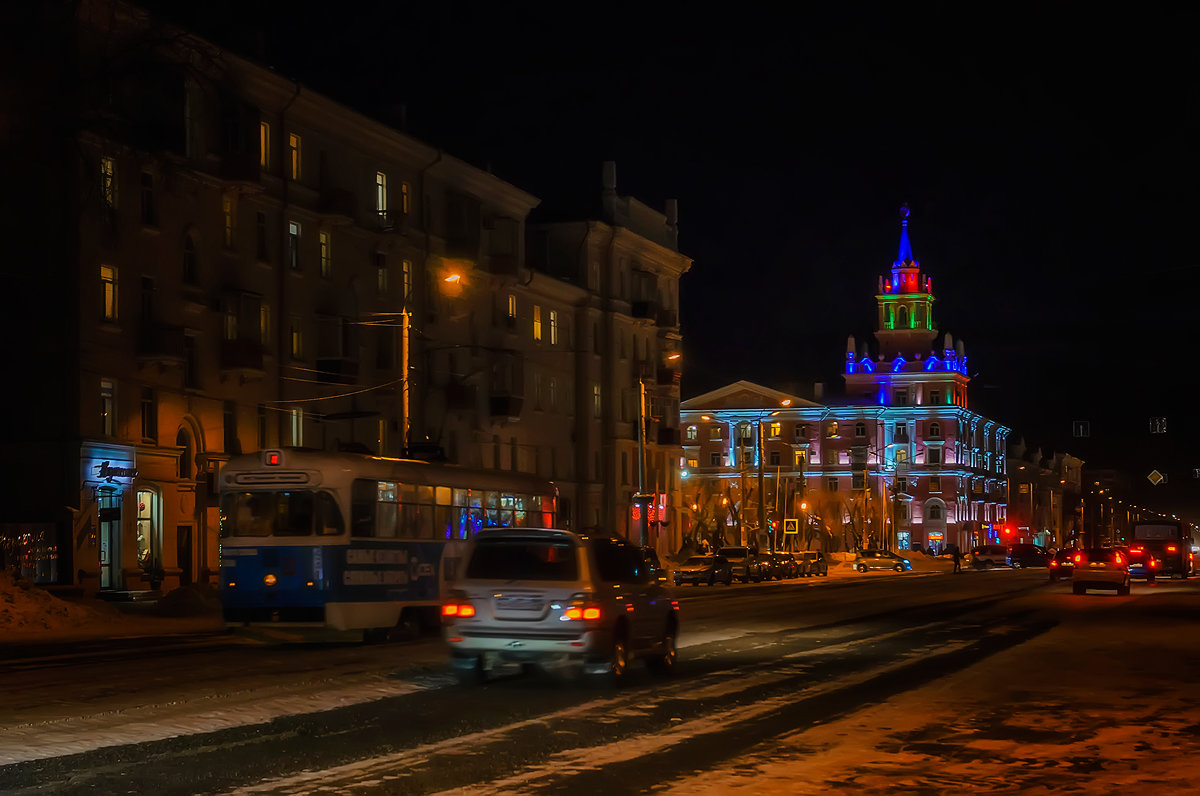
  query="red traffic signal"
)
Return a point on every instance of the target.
[{"x": 1007, "y": 530}]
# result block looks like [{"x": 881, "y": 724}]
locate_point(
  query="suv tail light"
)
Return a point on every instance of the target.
[
  {"x": 1153, "y": 563},
  {"x": 1079, "y": 558},
  {"x": 1171, "y": 548},
  {"x": 458, "y": 610},
  {"x": 581, "y": 609}
]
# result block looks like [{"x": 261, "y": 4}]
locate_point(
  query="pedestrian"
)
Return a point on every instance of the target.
[{"x": 957, "y": 560}]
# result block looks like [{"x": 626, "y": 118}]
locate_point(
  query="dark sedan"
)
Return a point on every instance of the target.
[
  {"x": 704, "y": 569},
  {"x": 1062, "y": 564}
]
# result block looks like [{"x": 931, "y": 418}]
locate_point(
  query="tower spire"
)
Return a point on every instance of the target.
[{"x": 906, "y": 253}]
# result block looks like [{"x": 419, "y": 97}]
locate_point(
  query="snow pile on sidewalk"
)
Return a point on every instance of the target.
[{"x": 25, "y": 608}]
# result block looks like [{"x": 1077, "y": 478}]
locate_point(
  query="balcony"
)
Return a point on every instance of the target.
[
  {"x": 159, "y": 344},
  {"x": 645, "y": 309},
  {"x": 337, "y": 370},
  {"x": 504, "y": 404},
  {"x": 240, "y": 170},
  {"x": 242, "y": 358}
]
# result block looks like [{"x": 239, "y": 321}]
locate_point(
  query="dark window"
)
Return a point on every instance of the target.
[
  {"x": 149, "y": 415},
  {"x": 149, "y": 213},
  {"x": 231, "y": 437},
  {"x": 260, "y": 231},
  {"x": 190, "y": 275},
  {"x": 523, "y": 559}
]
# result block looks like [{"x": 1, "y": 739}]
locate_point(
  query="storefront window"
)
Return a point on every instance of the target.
[{"x": 147, "y": 529}]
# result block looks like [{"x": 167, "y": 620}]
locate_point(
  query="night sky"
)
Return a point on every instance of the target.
[{"x": 1047, "y": 157}]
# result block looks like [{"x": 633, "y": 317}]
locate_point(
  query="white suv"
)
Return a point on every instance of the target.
[{"x": 544, "y": 596}]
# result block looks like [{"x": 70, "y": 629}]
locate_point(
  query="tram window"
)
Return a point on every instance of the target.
[
  {"x": 477, "y": 520},
  {"x": 442, "y": 495},
  {"x": 425, "y": 495},
  {"x": 408, "y": 521},
  {"x": 388, "y": 492},
  {"x": 443, "y": 523},
  {"x": 362, "y": 507},
  {"x": 491, "y": 504},
  {"x": 425, "y": 522},
  {"x": 294, "y": 514},
  {"x": 386, "y": 517},
  {"x": 329, "y": 516},
  {"x": 462, "y": 497}
]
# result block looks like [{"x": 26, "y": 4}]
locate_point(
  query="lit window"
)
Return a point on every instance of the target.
[
  {"x": 108, "y": 408},
  {"x": 108, "y": 182},
  {"x": 714, "y": 432},
  {"x": 297, "y": 338},
  {"x": 537, "y": 322},
  {"x": 297, "y": 427},
  {"x": 381, "y": 196},
  {"x": 264, "y": 144},
  {"x": 108, "y": 284},
  {"x": 935, "y": 485},
  {"x": 512, "y": 306},
  {"x": 293, "y": 243},
  {"x": 832, "y": 431},
  {"x": 227, "y": 212},
  {"x": 799, "y": 458},
  {"x": 553, "y": 327},
  {"x": 404, "y": 198},
  {"x": 776, "y": 430},
  {"x": 596, "y": 405},
  {"x": 691, "y": 433},
  {"x": 326, "y": 254},
  {"x": 408, "y": 279},
  {"x": 294, "y": 154}
]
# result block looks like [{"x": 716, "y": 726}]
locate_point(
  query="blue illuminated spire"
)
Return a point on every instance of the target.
[{"x": 906, "y": 253}]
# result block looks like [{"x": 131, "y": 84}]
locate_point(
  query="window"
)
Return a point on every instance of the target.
[
  {"x": 553, "y": 327},
  {"x": 714, "y": 432},
  {"x": 148, "y": 536},
  {"x": 262, "y": 426},
  {"x": 902, "y": 485},
  {"x": 801, "y": 431},
  {"x": 537, "y": 322},
  {"x": 935, "y": 512},
  {"x": 230, "y": 325},
  {"x": 326, "y": 246},
  {"x": 408, "y": 279},
  {"x": 831, "y": 484},
  {"x": 596, "y": 404},
  {"x": 108, "y": 182},
  {"x": 230, "y": 428},
  {"x": 900, "y": 398},
  {"x": 108, "y": 409},
  {"x": 901, "y": 432},
  {"x": 149, "y": 214},
  {"x": 227, "y": 213},
  {"x": 260, "y": 236},
  {"x": 933, "y": 455},
  {"x": 149, "y": 415},
  {"x": 860, "y": 429},
  {"x": 297, "y": 339},
  {"x": 935, "y": 397},
  {"x": 552, "y": 389},
  {"x": 537, "y": 391},
  {"x": 381, "y": 273},
  {"x": 831, "y": 430},
  {"x": 294, "y": 154},
  {"x": 714, "y": 460},
  {"x": 935, "y": 483},
  {"x": 293, "y": 245},
  {"x": 297, "y": 418},
  {"x": 381, "y": 195},
  {"x": 264, "y": 145},
  {"x": 935, "y": 429},
  {"x": 775, "y": 430},
  {"x": 405, "y": 199},
  {"x": 774, "y": 459},
  {"x": 799, "y": 458},
  {"x": 858, "y": 480},
  {"x": 108, "y": 285},
  {"x": 189, "y": 261},
  {"x": 264, "y": 323},
  {"x": 690, "y": 433}
]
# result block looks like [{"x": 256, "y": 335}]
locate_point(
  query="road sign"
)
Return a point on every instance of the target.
[
  {"x": 791, "y": 526},
  {"x": 1156, "y": 477}
]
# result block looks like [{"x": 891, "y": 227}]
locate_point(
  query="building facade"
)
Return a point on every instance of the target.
[
  {"x": 243, "y": 263},
  {"x": 902, "y": 462}
]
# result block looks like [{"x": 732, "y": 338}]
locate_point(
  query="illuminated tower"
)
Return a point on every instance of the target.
[{"x": 905, "y": 300}]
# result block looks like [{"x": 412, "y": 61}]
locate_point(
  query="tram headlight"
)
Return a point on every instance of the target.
[{"x": 269, "y": 579}]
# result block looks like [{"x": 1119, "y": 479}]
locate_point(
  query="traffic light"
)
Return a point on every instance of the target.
[{"x": 1007, "y": 531}]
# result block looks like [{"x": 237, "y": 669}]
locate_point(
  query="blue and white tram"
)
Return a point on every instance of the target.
[{"x": 348, "y": 542}]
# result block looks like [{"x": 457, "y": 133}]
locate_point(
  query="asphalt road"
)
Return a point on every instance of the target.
[{"x": 758, "y": 662}]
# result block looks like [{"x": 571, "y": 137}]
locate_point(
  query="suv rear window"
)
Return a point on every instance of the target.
[
  {"x": 523, "y": 559},
  {"x": 1106, "y": 554}
]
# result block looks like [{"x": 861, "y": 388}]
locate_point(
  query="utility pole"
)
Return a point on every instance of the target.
[
  {"x": 762, "y": 502},
  {"x": 639, "y": 499}
]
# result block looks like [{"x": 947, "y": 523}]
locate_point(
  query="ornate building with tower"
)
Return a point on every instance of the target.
[{"x": 901, "y": 462}]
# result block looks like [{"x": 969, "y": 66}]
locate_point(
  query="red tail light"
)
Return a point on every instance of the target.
[
  {"x": 1171, "y": 548},
  {"x": 461, "y": 610},
  {"x": 1137, "y": 549},
  {"x": 1079, "y": 558},
  {"x": 1153, "y": 563},
  {"x": 1119, "y": 559},
  {"x": 1054, "y": 563},
  {"x": 588, "y": 613}
]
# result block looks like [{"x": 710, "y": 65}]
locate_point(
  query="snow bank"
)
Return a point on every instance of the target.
[{"x": 25, "y": 608}]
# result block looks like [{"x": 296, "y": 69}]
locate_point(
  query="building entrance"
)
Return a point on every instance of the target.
[{"x": 109, "y": 516}]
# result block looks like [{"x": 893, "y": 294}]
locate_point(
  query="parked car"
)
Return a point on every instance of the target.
[
  {"x": 704, "y": 569},
  {"x": 785, "y": 565},
  {"x": 539, "y": 595},
  {"x": 1100, "y": 568},
  {"x": 1027, "y": 555},
  {"x": 813, "y": 563},
  {"x": 650, "y": 559},
  {"x": 745, "y": 562},
  {"x": 1142, "y": 563},
  {"x": 881, "y": 559},
  {"x": 1062, "y": 563},
  {"x": 989, "y": 555}
]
